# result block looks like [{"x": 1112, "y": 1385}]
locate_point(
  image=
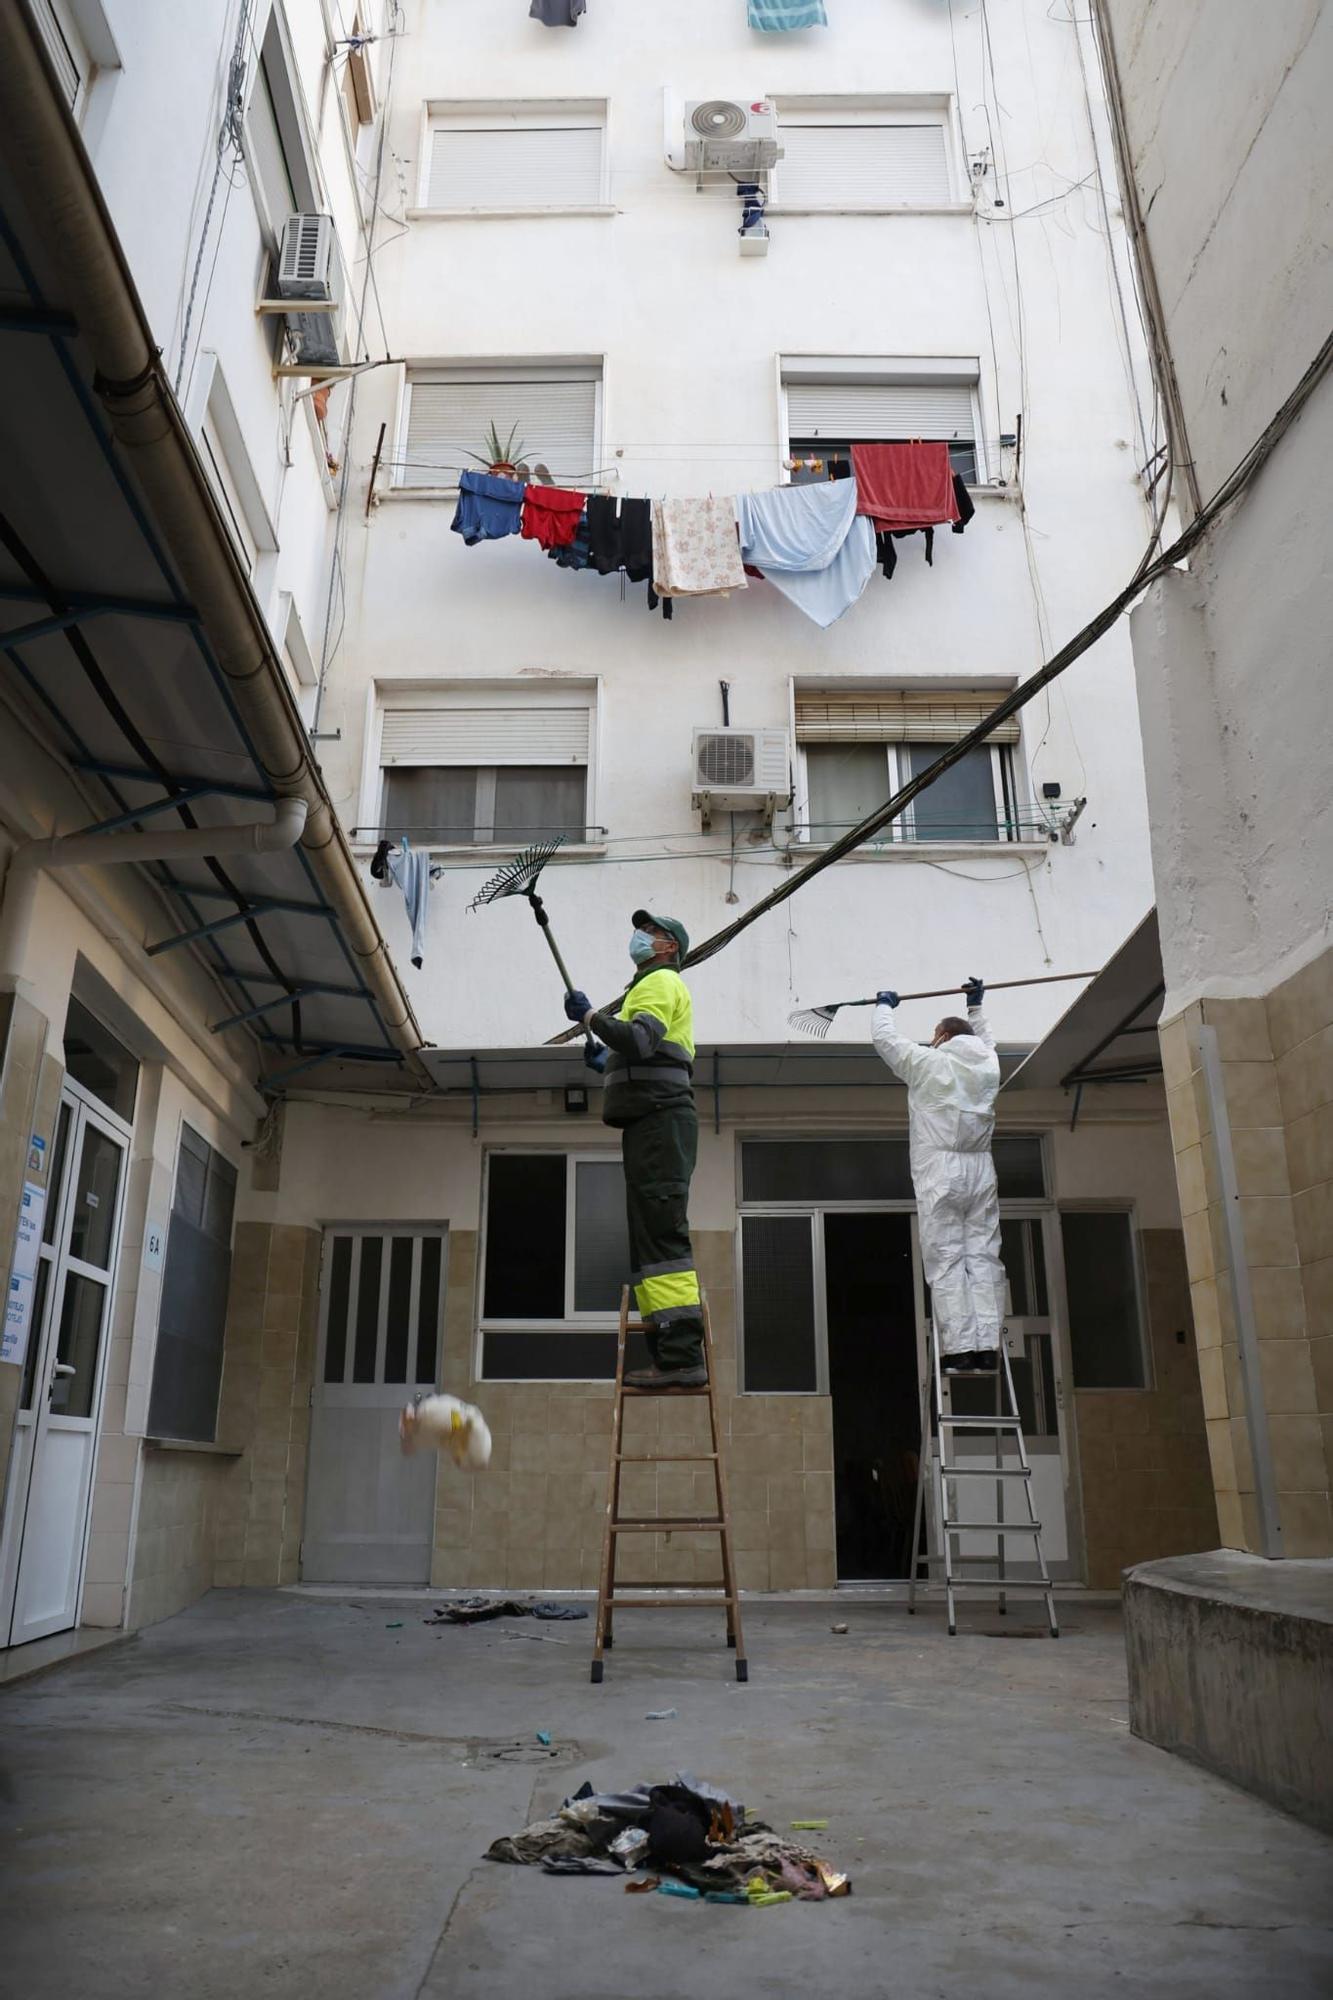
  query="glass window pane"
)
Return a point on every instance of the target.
[
  {"x": 1012, "y": 1250},
  {"x": 961, "y": 804},
  {"x": 41, "y": 1284},
  {"x": 1019, "y": 1168},
  {"x": 191, "y": 1324},
  {"x": 219, "y": 1198},
  {"x": 97, "y": 1179},
  {"x": 430, "y": 804},
  {"x": 53, "y": 1185},
  {"x": 557, "y": 1357},
  {"x": 367, "y": 1309},
  {"x": 845, "y": 782},
  {"x": 535, "y": 801},
  {"x": 400, "y": 1308},
  {"x": 525, "y": 1237},
  {"x": 99, "y": 1062},
  {"x": 428, "y": 1308},
  {"x": 777, "y": 1255},
  {"x": 826, "y": 1170},
  {"x": 1105, "y": 1339},
  {"x": 601, "y": 1239},
  {"x": 79, "y": 1341},
  {"x": 335, "y": 1333}
]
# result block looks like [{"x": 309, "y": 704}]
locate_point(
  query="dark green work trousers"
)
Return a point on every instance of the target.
[{"x": 659, "y": 1152}]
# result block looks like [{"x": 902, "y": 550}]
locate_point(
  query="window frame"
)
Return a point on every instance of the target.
[
  {"x": 522, "y": 369},
  {"x": 571, "y": 1321},
  {"x": 902, "y": 832},
  {"x": 383, "y": 695},
  {"x": 292, "y": 124},
  {"x": 1108, "y": 1205},
  {"x": 228, "y": 468},
  {"x": 520, "y": 114},
  {"x": 889, "y": 372},
  {"x": 859, "y": 112},
  {"x": 214, "y": 1152}
]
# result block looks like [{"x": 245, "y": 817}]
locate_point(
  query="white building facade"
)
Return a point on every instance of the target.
[{"x": 524, "y": 244}]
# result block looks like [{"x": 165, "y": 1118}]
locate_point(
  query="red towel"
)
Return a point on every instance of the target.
[
  {"x": 904, "y": 486},
  {"x": 551, "y": 516}
]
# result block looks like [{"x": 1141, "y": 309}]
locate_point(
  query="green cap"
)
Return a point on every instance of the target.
[{"x": 671, "y": 924}]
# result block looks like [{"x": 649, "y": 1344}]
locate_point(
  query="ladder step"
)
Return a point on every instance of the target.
[
  {"x": 656, "y": 1583},
  {"x": 957, "y": 1471},
  {"x": 993, "y": 1527},
  {"x": 981, "y": 1423},
  {"x": 1036, "y": 1586},
  {"x": 668, "y": 1524},
  {"x": 667, "y": 1389},
  {"x": 992, "y": 1558},
  {"x": 666, "y": 1457},
  {"x": 618, "y": 1603}
]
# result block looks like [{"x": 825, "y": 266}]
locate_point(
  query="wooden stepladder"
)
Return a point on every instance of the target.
[{"x": 644, "y": 1595}]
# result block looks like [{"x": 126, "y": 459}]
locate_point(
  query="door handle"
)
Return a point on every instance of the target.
[{"x": 63, "y": 1368}]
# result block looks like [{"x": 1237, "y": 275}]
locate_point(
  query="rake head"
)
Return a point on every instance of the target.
[
  {"x": 519, "y": 876},
  {"x": 814, "y": 1021}
]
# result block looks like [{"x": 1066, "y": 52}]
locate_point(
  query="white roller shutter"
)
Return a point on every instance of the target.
[
  {"x": 860, "y": 412},
  {"x": 447, "y": 420},
  {"x": 898, "y": 715},
  {"x": 472, "y": 736},
  {"x": 515, "y": 167},
  {"x": 68, "y": 55},
  {"x": 832, "y": 166}
]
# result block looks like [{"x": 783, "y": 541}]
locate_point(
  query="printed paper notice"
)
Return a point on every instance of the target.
[
  {"x": 18, "y": 1320},
  {"x": 32, "y": 1211}
]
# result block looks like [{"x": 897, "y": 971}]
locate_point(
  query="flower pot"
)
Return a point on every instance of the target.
[{"x": 503, "y": 470}]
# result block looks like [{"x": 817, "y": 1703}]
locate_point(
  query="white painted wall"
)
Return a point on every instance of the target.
[
  {"x": 1233, "y": 159},
  {"x": 690, "y": 334}
]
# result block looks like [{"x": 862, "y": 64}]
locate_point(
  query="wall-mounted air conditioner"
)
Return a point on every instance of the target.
[
  {"x": 728, "y": 137},
  {"x": 309, "y": 269},
  {"x": 740, "y": 770}
]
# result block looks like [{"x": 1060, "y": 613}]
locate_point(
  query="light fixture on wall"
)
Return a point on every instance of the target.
[{"x": 576, "y": 1099}]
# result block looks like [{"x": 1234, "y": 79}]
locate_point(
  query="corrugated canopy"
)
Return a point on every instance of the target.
[
  {"x": 1109, "y": 1035},
  {"x": 100, "y": 646}
]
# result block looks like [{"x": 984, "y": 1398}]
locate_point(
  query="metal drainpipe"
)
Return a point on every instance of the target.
[
  {"x": 72, "y": 850},
  {"x": 43, "y": 148}
]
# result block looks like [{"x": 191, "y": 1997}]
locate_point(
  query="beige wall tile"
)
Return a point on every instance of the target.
[
  {"x": 1305, "y": 1074},
  {"x": 1230, "y": 1521},
  {"x": 1298, "y": 1454},
  {"x": 1182, "y": 1117},
  {"x": 1301, "y": 1005},
  {"x": 1288, "y": 1377},
  {"x": 1309, "y": 1141},
  {"x": 1176, "y": 1058},
  {"x": 1199, "y": 1246},
  {"x": 1190, "y": 1180},
  {"x": 1261, "y": 1161},
  {"x": 1321, "y": 1366},
  {"x": 1270, "y": 1229},
  {"x": 1252, "y": 1094},
  {"x": 1307, "y": 1525},
  {"x": 1212, "y": 1381},
  {"x": 1242, "y": 1028},
  {"x": 1279, "y": 1302},
  {"x": 1313, "y": 1215}
]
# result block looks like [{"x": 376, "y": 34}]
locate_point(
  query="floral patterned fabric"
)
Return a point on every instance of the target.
[{"x": 695, "y": 548}]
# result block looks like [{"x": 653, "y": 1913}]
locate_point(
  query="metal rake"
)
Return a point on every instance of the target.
[
  {"x": 818, "y": 1020},
  {"x": 519, "y": 877}
]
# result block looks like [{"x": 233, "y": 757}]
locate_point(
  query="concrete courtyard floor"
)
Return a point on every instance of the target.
[{"x": 279, "y": 1794}]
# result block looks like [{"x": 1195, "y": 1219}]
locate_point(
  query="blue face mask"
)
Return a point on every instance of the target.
[{"x": 642, "y": 947}]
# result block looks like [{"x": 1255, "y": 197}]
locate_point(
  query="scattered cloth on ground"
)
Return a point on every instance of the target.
[
  {"x": 479, "y": 1610},
  {"x": 557, "y": 13},
  {"x": 693, "y": 1834},
  {"x": 810, "y": 543},
  {"x": 904, "y": 486},
  {"x": 551, "y": 516},
  {"x": 695, "y": 551},
  {"x": 445, "y": 1422},
  {"x": 488, "y": 509},
  {"x": 410, "y": 869},
  {"x": 779, "y": 17}
]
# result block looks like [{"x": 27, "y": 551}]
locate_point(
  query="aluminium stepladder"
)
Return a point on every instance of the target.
[
  {"x": 645, "y": 1594},
  {"x": 948, "y": 1473}
]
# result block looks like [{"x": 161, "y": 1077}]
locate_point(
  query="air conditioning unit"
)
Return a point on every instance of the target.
[
  {"x": 731, "y": 138},
  {"x": 310, "y": 268},
  {"x": 740, "y": 770}
]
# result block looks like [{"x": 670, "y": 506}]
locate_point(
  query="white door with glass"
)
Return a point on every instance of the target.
[
  {"x": 55, "y": 1437},
  {"x": 370, "y": 1511}
]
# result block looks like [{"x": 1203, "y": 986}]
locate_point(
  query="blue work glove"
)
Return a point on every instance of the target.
[
  {"x": 888, "y": 998},
  {"x": 576, "y": 1005},
  {"x": 975, "y": 990},
  {"x": 594, "y": 1055}
]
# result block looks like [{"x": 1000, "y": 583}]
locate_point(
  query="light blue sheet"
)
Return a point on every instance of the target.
[
  {"x": 810, "y": 543},
  {"x": 775, "y": 17}
]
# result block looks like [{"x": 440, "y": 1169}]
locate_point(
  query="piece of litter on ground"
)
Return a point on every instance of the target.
[
  {"x": 668, "y": 1886},
  {"x": 661, "y": 1715},
  {"x": 544, "y": 1736},
  {"x": 809, "y": 1826},
  {"x": 837, "y": 1628},
  {"x": 394, "y": 1625}
]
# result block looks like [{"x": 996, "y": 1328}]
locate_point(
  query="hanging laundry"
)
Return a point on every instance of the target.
[
  {"x": 551, "y": 516},
  {"x": 778, "y": 17},
  {"x": 574, "y": 555},
  {"x": 811, "y": 544},
  {"x": 904, "y": 486},
  {"x": 557, "y": 13},
  {"x": 886, "y": 555},
  {"x": 620, "y": 538},
  {"x": 411, "y": 870},
  {"x": 695, "y": 551},
  {"x": 488, "y": 508}
]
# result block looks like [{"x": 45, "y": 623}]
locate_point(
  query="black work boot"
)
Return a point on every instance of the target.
[{"x": 668, "y": 1378}]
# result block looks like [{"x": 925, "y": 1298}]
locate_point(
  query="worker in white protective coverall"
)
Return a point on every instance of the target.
[{"x": 952, "y": 1083}]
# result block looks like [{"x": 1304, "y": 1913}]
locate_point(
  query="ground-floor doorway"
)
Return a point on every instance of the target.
[{"x": 873, "y": 1386}]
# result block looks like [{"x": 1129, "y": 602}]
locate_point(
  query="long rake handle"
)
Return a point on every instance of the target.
[{"x": 992, "y": 986}]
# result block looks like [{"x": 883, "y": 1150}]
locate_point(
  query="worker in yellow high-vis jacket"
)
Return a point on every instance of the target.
[{"x": 650, "y": 1097}]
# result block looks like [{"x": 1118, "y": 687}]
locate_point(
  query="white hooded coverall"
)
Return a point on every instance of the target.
[{"x": 951, "y": 1095}]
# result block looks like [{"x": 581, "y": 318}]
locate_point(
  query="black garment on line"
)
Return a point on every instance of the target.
[
  {"x": 887, "y": 556},
  {"x": 557, "y": 13},
  {"x": 620, "y": 537}
]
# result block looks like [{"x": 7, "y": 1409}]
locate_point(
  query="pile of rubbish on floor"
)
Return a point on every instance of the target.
[
  {"x": 682, "y": 1839},
  {"x": 479, "y": 1610}
]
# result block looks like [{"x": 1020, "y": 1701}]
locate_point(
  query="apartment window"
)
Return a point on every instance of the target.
[
  {"x": 857, "y": 156},
  {"x": 860, "y": 746},
  {"x": 844, "y": 401},
  {"x": 227, "y": 464},
  {"x": 550, "y": 409},
  {"x": 514, "y": 156},
  {"x": 1106, "y": 1342},
  {"x": 487, "y": 766},
  {"x": 187, "y": 1364},
  {"x": 280, "y": 171},
  {"x": 358, "y": 86},
  {"x": 556, "y": 1257},
  {"x": 67, "y": 49}
]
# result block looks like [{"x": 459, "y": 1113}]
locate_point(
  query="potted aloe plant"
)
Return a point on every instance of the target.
[{"x": 503, "y": 459}]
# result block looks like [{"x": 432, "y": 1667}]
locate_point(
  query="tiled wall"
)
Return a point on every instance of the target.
[
  {"x": 180, "y": 1502},
  {"x": 1277, "y": 1063},
  {"x": 535, "y": 1517},
  {"x": 1147, "y": 1487}
]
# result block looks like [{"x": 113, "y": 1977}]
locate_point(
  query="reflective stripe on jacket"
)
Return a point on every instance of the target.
[{"x": 651, "y": 1040}]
